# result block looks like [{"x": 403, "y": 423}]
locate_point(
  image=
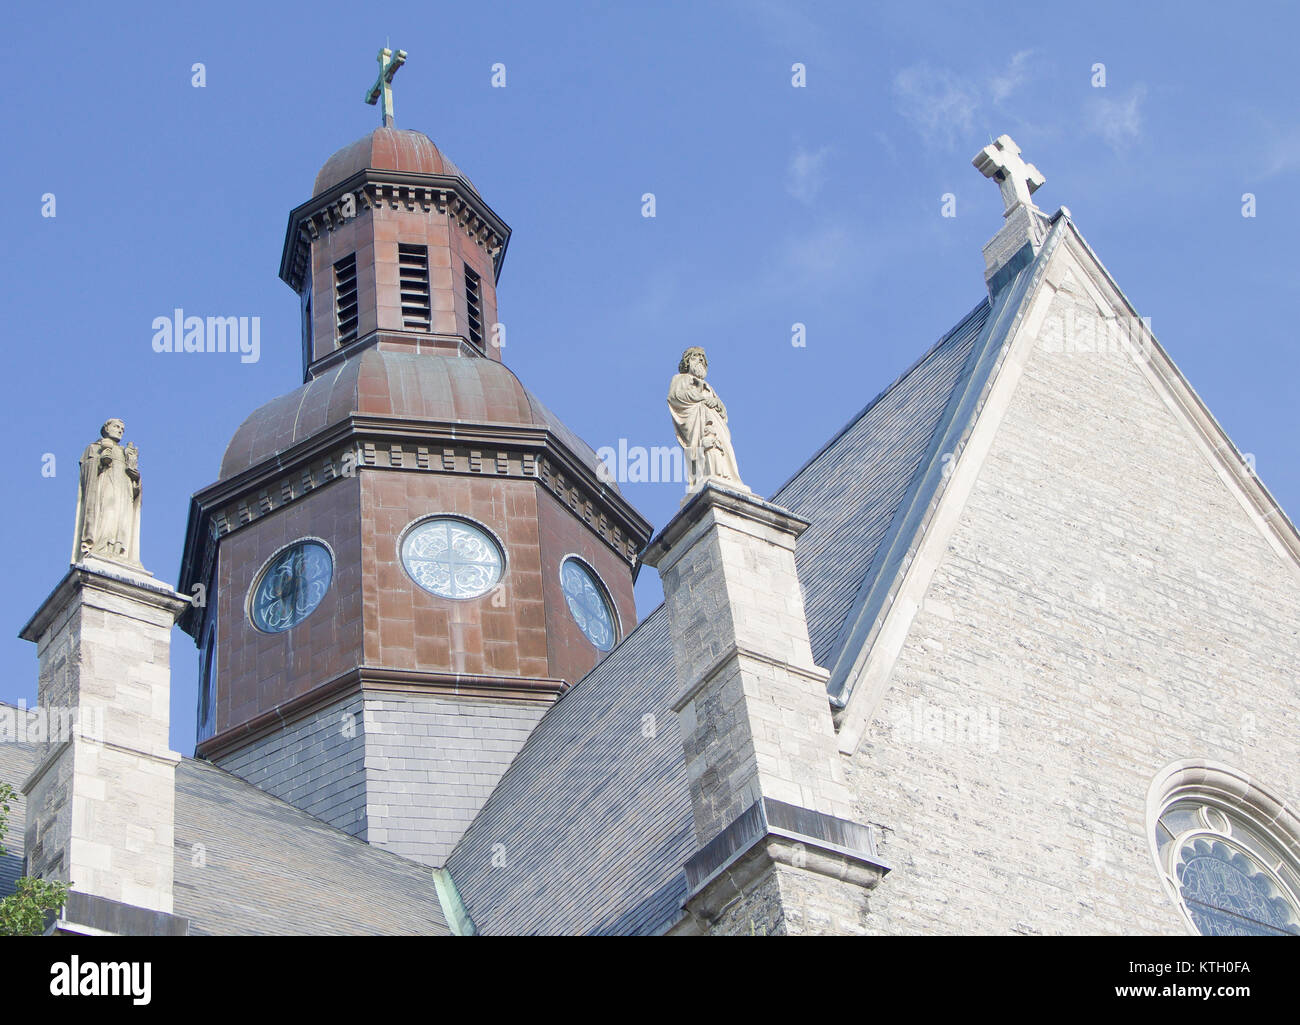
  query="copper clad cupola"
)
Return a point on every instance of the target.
[
  {"x": 395, "y": 248},
  {"x": 406, "y": 559}
]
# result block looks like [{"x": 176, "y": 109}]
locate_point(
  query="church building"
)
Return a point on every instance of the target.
[{"x": 1016, "y": 651}]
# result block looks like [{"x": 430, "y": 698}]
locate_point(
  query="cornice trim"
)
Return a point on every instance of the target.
[
  {"x": 371, "y": 680},
  {"x": 372, "y": 187}
]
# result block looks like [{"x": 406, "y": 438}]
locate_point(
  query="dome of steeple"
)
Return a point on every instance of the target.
[
  {"x": 425, "y": 387},
  {"x": 387, "y": 149}
]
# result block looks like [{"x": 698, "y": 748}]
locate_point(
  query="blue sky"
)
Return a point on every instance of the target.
[{"x": 774, "y": 205}]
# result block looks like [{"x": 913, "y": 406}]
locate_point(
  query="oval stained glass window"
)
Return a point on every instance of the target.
[
  {"x": 452, "y": 558},
  {"x": 291, "y": 586},
  {"x": 587, "y": 603}
]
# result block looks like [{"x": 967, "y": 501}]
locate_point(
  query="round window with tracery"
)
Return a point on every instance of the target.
[
  {"x": 587, "y": 603},
  {"x": 452, "y": 558},
  {"x": 1231, "y": 877},
  {"x": 291, "y": 586}
]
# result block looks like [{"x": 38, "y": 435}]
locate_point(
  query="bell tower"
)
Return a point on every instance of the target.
[
  {"x": 394, "y": 242},
  {"x": 408, "y": 558}
]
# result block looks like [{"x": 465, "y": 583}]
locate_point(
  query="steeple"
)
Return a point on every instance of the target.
[
  {"x": 409, "y": 538},
  {"x": 394, "y": 248}
]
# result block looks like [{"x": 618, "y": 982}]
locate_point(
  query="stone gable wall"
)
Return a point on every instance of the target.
[{"x": 1103, "y": 608}]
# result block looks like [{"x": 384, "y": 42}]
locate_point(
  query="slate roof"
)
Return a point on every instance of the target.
[
  {"x": 593, "y": 813},
  {"x": 266, "y": 867},
  {"x": 591, "y": 825},
  {"x": 852, "y": 488},
  {"x": 925, "y": 442}
]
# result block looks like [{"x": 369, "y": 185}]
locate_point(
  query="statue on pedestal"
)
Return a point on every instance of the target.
[
  {"x": 108, "y": 499},
  {"x": 700, "y": 419}
]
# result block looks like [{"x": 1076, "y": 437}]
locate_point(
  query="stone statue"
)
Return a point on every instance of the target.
[
  {"x": 108, "y": 499},
  {"x": 701, "y": 422}
]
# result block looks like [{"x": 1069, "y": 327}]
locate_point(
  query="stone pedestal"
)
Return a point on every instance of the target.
[
  {"x": 767, "y": 783},
  {"x": 100, "y": 811},
  {"x": 1024, "y": 230}
]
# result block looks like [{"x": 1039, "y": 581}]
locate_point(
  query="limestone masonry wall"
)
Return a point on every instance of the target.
[{"x": 1104, "y": 608}]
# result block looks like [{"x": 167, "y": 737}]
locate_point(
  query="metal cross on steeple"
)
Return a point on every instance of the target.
[
  {"x": 389, "y": 62},
  {"x": 1000, "y": 160}
]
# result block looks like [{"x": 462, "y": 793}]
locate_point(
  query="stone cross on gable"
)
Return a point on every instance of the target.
[
  {"x": 389, "y": 62},
  {"x": 1000, "y": 160}
]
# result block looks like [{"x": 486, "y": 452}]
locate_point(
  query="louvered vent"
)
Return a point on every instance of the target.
[
  {"x": 413, "y": 272},
  {"x": 474, "y": 306},
  {"x": 345, "y": 299}
]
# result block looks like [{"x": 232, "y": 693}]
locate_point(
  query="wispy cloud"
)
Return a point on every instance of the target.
[
  {"x": 807, "y": 173},
  {"x": 822, "y": 259},
  {"x": 1012, "y": 78},
  {"x": 887, "y": 144},
  {"x": 1281, "y": 150},
  {"x": 939, "y": 104},
  {"x": 944, "y": 106},
  {"x": 803, "y": 265},
  {"x": 1117, "y": 121}
]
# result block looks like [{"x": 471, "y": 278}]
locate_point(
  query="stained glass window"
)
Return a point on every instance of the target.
[
  {"x": 291, "y": 586},
  {"x": 452, "y": 558},
  {"x": 588, "y": 604},
  {"x": 1230, "y": 876}
]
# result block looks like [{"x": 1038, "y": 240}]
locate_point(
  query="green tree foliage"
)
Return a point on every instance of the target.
[{"x": 23, "y": 913}]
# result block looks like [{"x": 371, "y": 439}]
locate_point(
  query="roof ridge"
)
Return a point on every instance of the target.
[{"x": 925, "y": 485}]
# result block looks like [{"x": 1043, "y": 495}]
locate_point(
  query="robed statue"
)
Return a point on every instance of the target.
[
  {"x": 108, "y": 499},
  {"x": 701, "y": 422}
]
